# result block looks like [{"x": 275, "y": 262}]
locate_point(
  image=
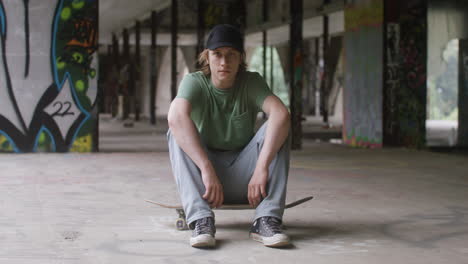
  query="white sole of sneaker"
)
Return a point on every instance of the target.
[
  {"x": 202, "y": 241},
  {"x": 278, "y": 240}
]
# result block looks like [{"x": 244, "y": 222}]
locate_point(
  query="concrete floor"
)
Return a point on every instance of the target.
[{"x": 370, "y": 206}]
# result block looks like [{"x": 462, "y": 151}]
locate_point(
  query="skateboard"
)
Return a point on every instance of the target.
[{"x": 181, "y": 223}]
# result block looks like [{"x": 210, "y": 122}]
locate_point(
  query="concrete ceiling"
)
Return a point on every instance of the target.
[
  {"x": 114, "y": 15},
  {"x": 312, "y": 27},
  {"x": 118, "y": 14}
]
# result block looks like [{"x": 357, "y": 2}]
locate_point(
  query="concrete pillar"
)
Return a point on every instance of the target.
[
  {"x": 107, "y": 85},
  {"x": 137, "y": 71},
  {"x": 125, "y": 75},
  {"x": 239, "y": 14},
  {"x": 315, "y": 91},
  {"x": 174, "y": 25},
  {"x": 311, "y": 68},
  {"x": 49, "y": 76},
  {"x": 405, "y": 83},
  {"x": 363, "y": 86},
  {"x": 463, "y": 94},
  {"x": 264, "y": 37},
  {"x": 413, "y": 25},
  {"x": 272, "y": 79},
  {"x": 264, "y": 42},
  {"x": 296, "y": 72},
  {"x": 324, "y": 83},
  {"x": 264, "y": 56},
  {"x": 115, "y": 76},
  {"x": 200, "y": 30},
  {"x": 153, "y": 68}
]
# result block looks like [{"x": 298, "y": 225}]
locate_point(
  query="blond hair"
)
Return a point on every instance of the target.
[{"x": 205, "y": 66}]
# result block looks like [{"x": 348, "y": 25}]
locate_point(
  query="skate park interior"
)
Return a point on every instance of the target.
[{"x": 380, "y": 140}]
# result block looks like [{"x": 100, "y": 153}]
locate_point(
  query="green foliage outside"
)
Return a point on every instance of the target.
[
  {"x": 279, "y": 86},
  {"x": 443, "y": 88}
]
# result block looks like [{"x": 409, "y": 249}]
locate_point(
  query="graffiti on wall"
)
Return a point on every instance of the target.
[
  {"x": 363, "y": 93},
  {"x": 405, "y": 73},
  {"x": 392, "y": 78},
  {"x": 411, "y": 114},
  {"x": 48, "y": 90}
]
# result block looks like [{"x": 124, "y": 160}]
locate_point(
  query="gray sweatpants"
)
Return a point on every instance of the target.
[{"x": 234, "y": 170}]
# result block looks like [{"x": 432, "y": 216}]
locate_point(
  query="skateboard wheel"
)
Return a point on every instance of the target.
[{"x": 181, "y": 224}]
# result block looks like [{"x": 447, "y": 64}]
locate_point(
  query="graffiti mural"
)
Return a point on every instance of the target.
[
  {"x": 48, "y": 75},
  {"x": 413, "y": 50},
  {"x": 405, "y": 73},
  {"x": 363, "y": 42},
  {"x": 392, "y": 81}
]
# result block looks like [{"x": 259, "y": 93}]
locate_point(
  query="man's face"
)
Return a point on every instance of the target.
[{"x": 224, "y": 63}]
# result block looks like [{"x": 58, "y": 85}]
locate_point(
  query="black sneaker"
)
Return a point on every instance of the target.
[
  {"x": 203, "y": 233},
  {"x": 267, "y": 230}
]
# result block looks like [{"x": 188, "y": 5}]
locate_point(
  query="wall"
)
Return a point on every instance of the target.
[
  {"x": 362, "y": 98},
  {"x": 48, "y": 75}
]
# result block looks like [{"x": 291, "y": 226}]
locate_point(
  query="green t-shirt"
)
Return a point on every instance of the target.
[{"x": 226, "y": 118}]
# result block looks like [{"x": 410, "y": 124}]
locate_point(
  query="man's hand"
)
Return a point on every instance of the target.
[
  {"x": 257, "y": 186},
  {"x": 214, "y": 190},
  {"x": 275, "y": 136}
]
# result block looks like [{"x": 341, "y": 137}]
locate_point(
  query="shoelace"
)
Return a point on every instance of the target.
[
  {"x": 273, "y": 224},
  {"x": 204, "y": 226}
]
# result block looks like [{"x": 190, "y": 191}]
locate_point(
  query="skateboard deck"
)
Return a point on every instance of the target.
[{"x": 181, "y": 223}]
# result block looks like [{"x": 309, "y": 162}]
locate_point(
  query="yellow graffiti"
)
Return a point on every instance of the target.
[
  {"x": 82, "y": 144},
  {"x": 5, "y": 144},
  {"x": 364, "y": 13}
]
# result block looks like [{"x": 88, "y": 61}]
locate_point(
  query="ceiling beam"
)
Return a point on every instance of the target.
[{"x": 308, "y": 13}]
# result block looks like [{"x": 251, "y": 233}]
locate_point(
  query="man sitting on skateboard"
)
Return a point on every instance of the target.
[{"x": 216, "y": 156}]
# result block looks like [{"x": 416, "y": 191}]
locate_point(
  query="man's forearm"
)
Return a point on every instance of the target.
[
  {"x": 276, "y": 133},
  {"x": 186, "y": 136}
]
